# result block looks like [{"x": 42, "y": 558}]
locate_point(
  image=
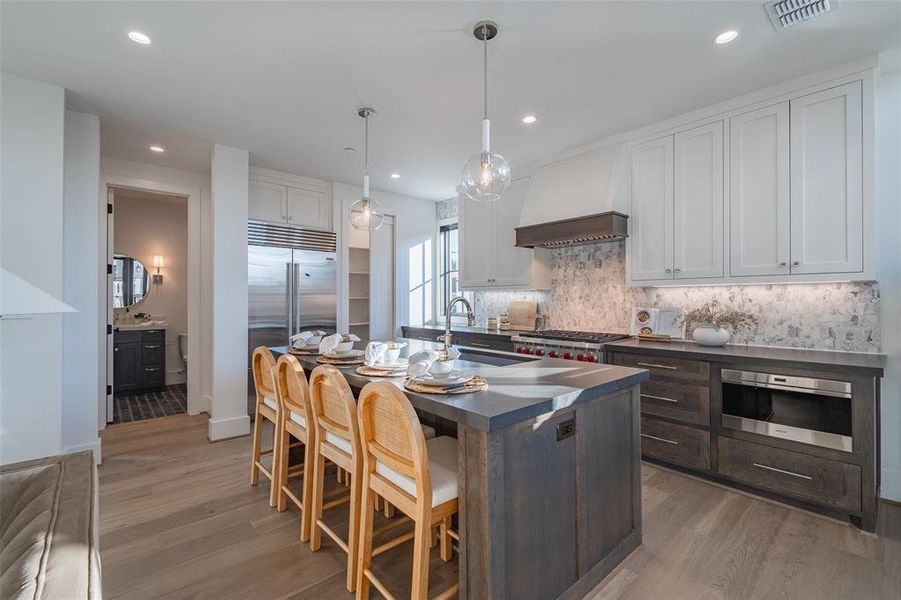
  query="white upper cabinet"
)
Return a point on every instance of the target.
[
  {"x": 698, "y": 202},
  {"x": 268, "y": 201},
  {"x": 826, "y": 181},
  {"x": 759, "y": 192},
  {"x": 651, "y": 220},
  {"x": 489, "y": 256},
  {"x": 291, "y": 199}
]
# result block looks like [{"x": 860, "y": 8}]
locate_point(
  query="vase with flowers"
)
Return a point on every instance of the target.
[{"x": 712, "y": 323}]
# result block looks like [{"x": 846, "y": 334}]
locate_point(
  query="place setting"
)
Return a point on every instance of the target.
[
  {"x": 306, "y": 343},
  {"x": 382, "y": 359},
  {"x": 338, "y": 349},
  {"x": 433, "y": 372}
]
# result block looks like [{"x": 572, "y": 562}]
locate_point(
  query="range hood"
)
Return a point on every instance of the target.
[{"x": 579, "y": 199}]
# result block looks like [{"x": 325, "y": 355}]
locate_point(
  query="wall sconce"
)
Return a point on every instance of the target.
[{"x": 158, "y": 262}]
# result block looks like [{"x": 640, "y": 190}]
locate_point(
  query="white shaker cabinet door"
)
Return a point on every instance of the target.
[
  {"x": 513, "y": 266},
  {"x": 476, "y": 243},
  {"x": 759, "y": 215},
  {"x": 268, "y": 202},
  {"x": 652, "y": 210},
  {"x": 309, "y": 208},
  {"x": 698, "y": 202},
  {"x": 827, "y": 181}
]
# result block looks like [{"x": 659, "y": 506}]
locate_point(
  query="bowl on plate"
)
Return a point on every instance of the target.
[
  {"x": 344, "y": 347},
  {"x": 442, "y": 368},
  {"x": 392, "y": 352}
]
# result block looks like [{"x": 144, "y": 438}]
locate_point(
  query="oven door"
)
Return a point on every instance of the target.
[{"x": 801, "y": 409}]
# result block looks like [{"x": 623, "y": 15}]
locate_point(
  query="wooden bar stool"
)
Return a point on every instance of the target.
[
  {"x": 334, "y": 413},
  {"x": 295, "y": 419},
  {"x": 417, "y": 477},
  {"x": 263, "y": 367}
]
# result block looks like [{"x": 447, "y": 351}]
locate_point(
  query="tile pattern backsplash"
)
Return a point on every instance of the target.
[{"x": 589, "y": 293}]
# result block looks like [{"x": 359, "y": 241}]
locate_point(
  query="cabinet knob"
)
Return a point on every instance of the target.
[
  {"x": 678, "y": 270},
  {"x": 796, "y": 263},
  {"x": 669, "y": 270},
  {"x": 783, "y": 265}
]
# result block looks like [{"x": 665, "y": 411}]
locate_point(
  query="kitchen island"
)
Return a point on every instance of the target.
[{"x": 549, "y": 471}]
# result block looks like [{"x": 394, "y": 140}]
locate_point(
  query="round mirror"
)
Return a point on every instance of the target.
[{"x": 131, "y": 281}]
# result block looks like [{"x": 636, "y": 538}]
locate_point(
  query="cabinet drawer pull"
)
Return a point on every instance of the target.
[
  {"x": 784, "y": 472},
  {"x": 656, "y": 366},
  {"x": 659, "y": 439},
  {"x": 152, "y": 347},
  {"x": 664, "y": 398},
  {"x": 480, "y": 345},
  {"x": 151, "y": 369}
]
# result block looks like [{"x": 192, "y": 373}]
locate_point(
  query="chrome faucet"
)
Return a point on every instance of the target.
[{"x": 470, "y": 315}]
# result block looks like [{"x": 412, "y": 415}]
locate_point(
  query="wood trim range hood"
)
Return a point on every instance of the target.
[
  {"x": 579, "y": 199},
  {"x": 602, "y": 227}
]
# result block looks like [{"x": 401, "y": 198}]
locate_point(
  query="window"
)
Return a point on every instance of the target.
[
  {"x": 420, "y": 278},
  {"x": 449, "y": 270}
]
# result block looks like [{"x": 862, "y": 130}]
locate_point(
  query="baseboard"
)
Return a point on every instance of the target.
[
  {"x": 890, "y": 488},
  {"x": 223, "y": 429},
  {"x": 205, "y": 403},
  {"x": 93, "y": 446}
]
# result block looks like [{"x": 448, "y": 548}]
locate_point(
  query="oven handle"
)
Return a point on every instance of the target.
[
  {"x": 788, "y": 388},
  {"x": 803, "y": 385}
]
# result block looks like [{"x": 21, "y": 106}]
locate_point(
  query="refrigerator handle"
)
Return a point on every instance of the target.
[
  {"x": 295, "y": 294},
  {"x": 289, "y": 300}
]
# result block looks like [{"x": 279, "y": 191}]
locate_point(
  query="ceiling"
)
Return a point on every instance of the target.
[{"x": 284, "y": 80}]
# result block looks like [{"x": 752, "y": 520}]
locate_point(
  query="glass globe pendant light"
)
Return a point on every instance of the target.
[
  {"x": 366, "y": 214},
  {"x": 486, "y": 175}
]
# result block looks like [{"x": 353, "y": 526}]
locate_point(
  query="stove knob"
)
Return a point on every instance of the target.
[
  {"x": 539, "y": 352},
  {"x": 552, "y": 354},
  {"x": 580, "y": 357},
  {"x": 591, "y": 358},
  {"x": 519, "y": 349},
  {"x": 567, "y": 355}
]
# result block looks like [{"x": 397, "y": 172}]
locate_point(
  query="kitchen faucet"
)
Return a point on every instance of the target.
[{"x": 471, "y": 317}]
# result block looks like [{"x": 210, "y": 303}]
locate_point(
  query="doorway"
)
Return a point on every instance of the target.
[{"x": 151, "y": 280}]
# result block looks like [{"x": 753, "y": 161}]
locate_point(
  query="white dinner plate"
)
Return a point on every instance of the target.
[
  {"x": 390, "y": 366},
  {"x": 455, "y": 378},
  {"x": 352, "y": 353}
]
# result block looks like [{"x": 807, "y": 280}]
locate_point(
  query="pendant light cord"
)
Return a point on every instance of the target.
[
  {"x": 485, "y": 64},
  {"x": 366, "y": 144}
]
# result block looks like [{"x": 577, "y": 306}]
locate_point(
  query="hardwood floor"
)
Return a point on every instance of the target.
[{"x": 178, "y": 519}]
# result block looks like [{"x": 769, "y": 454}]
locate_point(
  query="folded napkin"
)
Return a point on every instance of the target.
[
  {"x": 375, "y": 351},
  {"x": 421, "y": 362},
  {"x": 299, "y": 340},
  {"x": 329, "y": 343}
]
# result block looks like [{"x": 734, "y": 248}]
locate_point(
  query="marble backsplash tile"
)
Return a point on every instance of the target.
[{"x": 589, "y": 292}]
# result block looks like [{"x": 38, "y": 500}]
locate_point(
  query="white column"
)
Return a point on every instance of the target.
[
  {"x": 81, "y": 242},
  {"x": 31, "y": 230},
  {"x": 228, "y": 407}
]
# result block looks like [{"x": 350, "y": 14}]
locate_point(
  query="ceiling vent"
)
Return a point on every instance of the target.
[{"x": 785, "y": 13}]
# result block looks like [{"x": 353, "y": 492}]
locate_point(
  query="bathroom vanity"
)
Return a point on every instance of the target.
[{"x": 139, "y": 360}]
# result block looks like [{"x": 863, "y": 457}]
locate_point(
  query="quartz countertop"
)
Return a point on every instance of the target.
[
  {"x": 515, "y": 393},
  {"x": 455, "y": 328},
  {"x": 139, "y": 326},
  {"x": 869, "y": 364}
]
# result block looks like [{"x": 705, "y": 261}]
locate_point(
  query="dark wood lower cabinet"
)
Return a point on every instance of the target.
[
  {"x": 680, "y": 444},
  {"x": 139, "y": 361}
]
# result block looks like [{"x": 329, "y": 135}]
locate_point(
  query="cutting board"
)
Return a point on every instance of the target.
[{"x": 523, "y": 315}]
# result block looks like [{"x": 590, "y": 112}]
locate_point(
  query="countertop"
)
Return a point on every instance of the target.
[
  {"x": 515, "y": 393},
  {"x": 869, "y": 364},
  {"x": 139, "y": 327},
  {"x": 467, "y": 329}
]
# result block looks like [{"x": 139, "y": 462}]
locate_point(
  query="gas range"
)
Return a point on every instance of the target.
[{"x": 587, "y": 346}]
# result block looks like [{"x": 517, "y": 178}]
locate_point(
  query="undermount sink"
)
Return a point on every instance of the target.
[{"x": 492, "y": 358}]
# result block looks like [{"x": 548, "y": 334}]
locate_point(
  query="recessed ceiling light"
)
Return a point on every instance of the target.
[
  {"x": 726, "y": 37},
  {"x": 138, "y": 37},
  {"x": 529, "y": 119},
  {"x": 394, "y": 176},
  {"x": 157, "y": 149}
]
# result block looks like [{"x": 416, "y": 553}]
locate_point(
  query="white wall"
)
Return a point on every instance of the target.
[
  {"x": 199, "y": 218},
  {"x": 81, "y": 386},
  {"x": 414, "y": 224},
  {"x": 888, "y": 195},
  {"x": 32, "y": 116},
  {"x": 147, "y": 225},
  {"x": 230, "y": 185}
]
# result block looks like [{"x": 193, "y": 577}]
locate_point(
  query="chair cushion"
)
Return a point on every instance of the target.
[
  {"x": 270, "y": 402},
  {"x": 299, "y": 419},
  {"x": 443, "y": 468},
  {"x": 340, "y": 442}
]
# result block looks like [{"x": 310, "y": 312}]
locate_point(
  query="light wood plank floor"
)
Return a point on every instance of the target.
[{"x": 178, "y": 519}]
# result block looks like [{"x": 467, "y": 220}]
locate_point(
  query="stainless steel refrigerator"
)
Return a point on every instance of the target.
[{"x": 292, "y": 283}]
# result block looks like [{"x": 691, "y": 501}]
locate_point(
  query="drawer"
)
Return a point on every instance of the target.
[
  {"x": 680, "y": 444},
  {"x": 475, "y": 341},
  {"x": 126, "y": 337},
  {"x": 153, "y": 376},
  {"x": 818, "y": 480},
  {"x": 153, "y": 353},
  {"x": 154, "y": 335},
  {"x": 685, "y": 402},
  {"x": 663, "y": 367}
]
